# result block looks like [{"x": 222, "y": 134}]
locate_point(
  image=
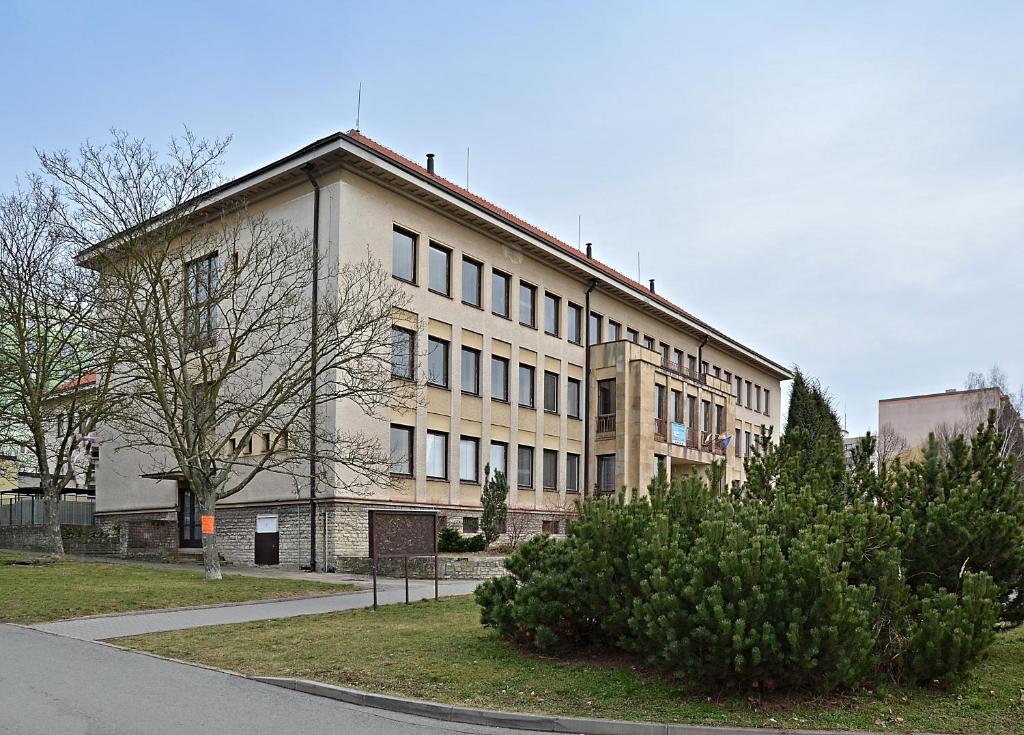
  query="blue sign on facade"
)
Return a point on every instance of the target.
[{"x": 679, "y": 434}]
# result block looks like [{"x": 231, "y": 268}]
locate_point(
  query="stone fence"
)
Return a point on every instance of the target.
[{"x": 449, "y": 566}]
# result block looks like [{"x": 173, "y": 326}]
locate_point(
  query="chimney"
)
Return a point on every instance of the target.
[
  {"x": 590, "y": 250},
  {"x": 652, "y": 285},
  {"x": 430, "y": 163}
]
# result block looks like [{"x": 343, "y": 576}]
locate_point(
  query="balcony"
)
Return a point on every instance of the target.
[
  {"x": 661, "y": 429},
  {"x": 606, "y": 423}
]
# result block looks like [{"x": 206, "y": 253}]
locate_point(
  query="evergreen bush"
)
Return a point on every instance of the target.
[{"x": 450, "y": 540}]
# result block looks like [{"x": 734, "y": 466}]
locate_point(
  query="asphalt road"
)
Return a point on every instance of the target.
[{"x": 51, "y": 684}]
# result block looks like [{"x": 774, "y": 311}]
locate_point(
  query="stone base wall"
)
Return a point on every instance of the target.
[
  {"x": 236, "y": 533},
  {"x": 147, "y": 534},
  {"x": 77, "y": 539},
  {"x": 448, "y": 567}
]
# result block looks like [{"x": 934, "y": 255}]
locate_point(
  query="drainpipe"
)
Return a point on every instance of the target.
[
  {"x": 310, "y": 171},
  {"x": 586, "y": 406}
]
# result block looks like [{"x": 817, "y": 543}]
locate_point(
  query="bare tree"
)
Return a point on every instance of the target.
[
  {"x": 52, "y": 390},
  {"x": 889, "y": 446},
  {"x": 518, "y": 525},
  {"x": 233, "y": 369},
  {"x": 1008, "y": 405}
]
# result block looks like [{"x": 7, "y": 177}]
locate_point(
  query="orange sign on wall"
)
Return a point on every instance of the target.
[{"x": 207, "y": 522}]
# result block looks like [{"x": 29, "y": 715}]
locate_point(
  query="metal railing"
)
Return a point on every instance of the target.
[
  {"x": 660, "y": 428},
  {"x": 30, "y": 510},
  {"x": 606, "y": 423}
]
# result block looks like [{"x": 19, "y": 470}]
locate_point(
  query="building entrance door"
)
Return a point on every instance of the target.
[
  {"x": 268, "y": 541},
  {"x": 190, "y": 534}
]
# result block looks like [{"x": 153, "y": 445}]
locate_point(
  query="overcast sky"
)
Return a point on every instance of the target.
[{"x": 837, "y": 185}]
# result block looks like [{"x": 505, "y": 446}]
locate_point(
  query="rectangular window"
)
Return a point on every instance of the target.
[
  {"x": 499, "y": 458},
  {"x": 552, "y": 306},
  {"x": 499, "y": 293},
  {"x": 526, "y": 385},
  {"x": 403, "y": 353},
  {"x": 750, "y": 394},
  {"x": 472, "y": 272},
  {"x": 470, "y": 524},
  {"x": 614, "y": 328},
  {"x": 633, "y": 336},
  {"x": 401, "y": 450},
  {"x": 549, "y": 527},
  {"x": 704, "y": 368},
  {"x": 739, "y": 443},
  {"x": 550, "y": 392},
  {"x": 525, "y": 474},
  {"x": 573, "y": 398},
  {"x": 705, "y": 413},
  {"x": 469, "y": 459},
  {"x": 594, "y": 329},
  {"x": 665, "y": 352},
  {"x": 437, "y": 362},
  {"x": 767, "y": 403},
  {"x": 437, "y": 455},
  {"x": 659, "y": 401},
  {"x": 470, "y": 371},
  {"x": 757, "y": 398},
  {"x": 499, "y": 378},
  {"x": 439, "y": 280},
  {"x": 677, "y": 407},
  {"x": 575, "y": 324},
  {"x": 605, "y": 397},
  {"x": 527, "y": 304},
  {"x": 691, "y": 411},
  {"x": 746, "y": 443},
  {"x": 649, "y": 342},
  {"x": 727, "y": 377},
  {"x": 739, "y": 391},
  {"x": 403, "y": 255},
  {"x": 691, "y": 365},
  {"x": 572, "y": 472},
  {"x": 550, "y": 469},
  {"x": 201, "y": 280},
  {"x": 677, "y": 360},
  {"x": 606, "y": 472},
  {"x": 719, "y": 419}
]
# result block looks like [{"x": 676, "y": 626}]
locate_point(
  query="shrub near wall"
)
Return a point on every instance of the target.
[{"x": 795, "y": 581}]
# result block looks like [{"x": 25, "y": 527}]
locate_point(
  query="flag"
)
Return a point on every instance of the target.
[{"x": 725, "y": 442}]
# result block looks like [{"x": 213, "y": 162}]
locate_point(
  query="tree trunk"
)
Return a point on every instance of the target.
[
  {"x": 211, "y": 556},
  {"x": 51, "y": 530}
]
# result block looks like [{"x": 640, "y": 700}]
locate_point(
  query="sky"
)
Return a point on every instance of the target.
[{"x": 839, "y": 186}]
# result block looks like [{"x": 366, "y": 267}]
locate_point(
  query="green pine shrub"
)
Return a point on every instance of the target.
[{"x": 450, "y": 540}]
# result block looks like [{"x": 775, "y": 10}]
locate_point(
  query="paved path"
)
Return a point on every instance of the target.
[
  {"x": 58, "y": 685},
  {"x": 115, "y": 626}
]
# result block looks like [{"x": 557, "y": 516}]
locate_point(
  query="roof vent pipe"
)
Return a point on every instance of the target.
[
  {"x": 590, "y": 250},
  {"x": 430, "y": 163},
  {"x": 652, "y": 285}
]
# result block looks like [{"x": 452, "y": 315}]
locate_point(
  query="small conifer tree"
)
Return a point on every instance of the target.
[{"x": 494, "y": 500}]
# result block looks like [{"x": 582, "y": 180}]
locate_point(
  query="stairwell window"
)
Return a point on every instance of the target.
[{"x": 201, "y": 279}]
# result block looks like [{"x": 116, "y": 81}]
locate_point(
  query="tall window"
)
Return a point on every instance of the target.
[
  {"x": 552, "y": 305},
  {"x": 499, "y": 378},
  {"x": 471, "y": 274},
  {"x": 440, "y": 263},
  {"x": 525, "y": 474},
  {"x": 705, "y": 413},
  {"x": 437, "y": 455},
  {"x": 632, "y": 335},
  {"x": 719, "y": 419},
  {"x": 665, "y": 350},
  {"x": 402, "y": 353},
  {"x": 403, "y": 255},
  {"x": 691, "y": 365},
  {"x": 550, "y": 469},
  {"x": 605, "y": 397},
  {"x": 550, "y": 392},
  {"x": 401, "y": 450},
  {"x": 201, "y": 301},
  {"x": 757, "y": 398},
  {"x": 746, "y": 443},
  {"x": 573, "y": 398},
  {"x": 716, "y": 371},
  {"x": 739, "y": 443},
  {"x": 469, "y": 459},
  {"x": 649, "y": 342},
  {"x": 575, "y": 325},
  {"x": 527, "y": 304},
  {"x": 606, "y": 472},
  {"x": 691, "y": 411},
  {"x": 526, "y": 385},
  {"x": 659, "y": 401},
  {"x": 499, "y": 293},
  {"x": 499, "y": 458},
  {"x": 739, "y": 391},
  {"x": 470, "y": 371},
  {"x": 767, "y": 403},
  {"x": 572, "y": 472},
  {"x": 613, "y": 331},
  {"x": 437, "y": 362},
  {"x": 677, "y": 359},
  {"x": 594, "y": 329},
  {"x": 677, "y": 407},
  {"x": 750, "y": 392}
]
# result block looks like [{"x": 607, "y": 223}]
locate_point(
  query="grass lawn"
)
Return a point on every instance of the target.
[
  {"x": 439, "y": 651},
  {"x": 51, "y": 591}
]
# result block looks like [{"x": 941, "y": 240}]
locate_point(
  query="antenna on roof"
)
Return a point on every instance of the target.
[
  {"x": 359, "y": 105},
  {"x": 467, "y": 168}
]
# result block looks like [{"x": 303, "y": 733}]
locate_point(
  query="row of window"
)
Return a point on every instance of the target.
[
  {"x": 404, "y": 258},
  {"x": 438, "y": 374},
  {"x": 436, "y": 465}
]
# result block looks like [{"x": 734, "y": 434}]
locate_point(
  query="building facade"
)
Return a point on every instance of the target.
[{"x": 540, "y": 361}]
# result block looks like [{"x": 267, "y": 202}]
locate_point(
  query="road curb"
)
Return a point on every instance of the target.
[{"x": 521, "y": 720}]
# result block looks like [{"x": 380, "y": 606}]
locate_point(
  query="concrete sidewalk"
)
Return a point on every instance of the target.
[{"x": 116, "y": 626}]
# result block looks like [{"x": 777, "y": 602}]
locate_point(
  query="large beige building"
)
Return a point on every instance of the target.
[{"x": 541, "y": 361}]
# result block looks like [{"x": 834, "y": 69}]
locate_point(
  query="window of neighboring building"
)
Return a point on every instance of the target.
[
  {"x": 605, "y": 397},
  {"x": 437, "y": 362},
  {"x": 470, "y": 524},
  {"x": 750, "y": 393},
  {"x": 613, "y": 331},
  {"x": 757, "y": 398},
  {"x": 527, "y": 305},
  {"x": 550, "y": 469},
  {"x": 716, "y": 371},
  {"x": 633, "y": 336},
  {"x": 767, "y": 403},
  {"x": 403, "y": 255},
  {"x": 469, "y": 459},
  {"x": 677, "y": 359},
  {"x": 691, "y": 365},
  {"x": 691, "y": 411},
  {"x": 572, "y": 472},
  {"x": 746, "y": 443},
  {"x": 739, "y": 443},
  {"x": 739, "y": 390},
  {"x": 606, "y": 472},
  {"x": 552, "y": 306},
  {"x": 472, "y": 273},
  {"x": 704, "y": 368},
  {"x": 499, "y": 293},
  {"x": 575, "y": 323},
  {"x": 705, "y": 413},
  {"x": 525, "y": 471},
  {"x": 499, "y": 458},
  {"x": 649, "y": 342},
  {"x": 594, "y": 329},
  {"x": 550, "y": 392},
  {"x": 499, "y": 378},
  {"x": 403, "y": 353},
  {"x": 659, "y": 401},
  {"x": 677, "y": 407},
  {"x": 573, "y": 398},
  {"x": 471, "y": 371},
  {"x": 439, "y": 280},
  {"x": 201, "y": 279},
  {"x": 549, "y": 527},
  {"x": 719, "y": 419},
  {"x": 727, "y": 377},
  {"x": 437, "y": 455},
  {"x": 665, "y": 352},
  {"x": 401, "y": 450},
  {"x": 527, "y": 382}
]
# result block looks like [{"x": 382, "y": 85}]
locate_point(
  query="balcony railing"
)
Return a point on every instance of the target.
[
  {"x": 680, "y": 369},
  {"x": 606, "y": 423},
  {"x": 661, "y": 428}
]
